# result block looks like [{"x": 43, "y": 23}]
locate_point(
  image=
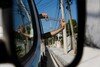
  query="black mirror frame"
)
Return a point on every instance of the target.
[{"x": 81, "y": 9}]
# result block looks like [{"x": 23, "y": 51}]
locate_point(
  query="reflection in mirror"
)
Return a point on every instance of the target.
[
  {"x": 22, "y": 27},
  {"x": 62, "y": 45}
]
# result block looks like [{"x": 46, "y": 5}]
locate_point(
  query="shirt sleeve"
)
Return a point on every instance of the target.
[{"x": 46, "y": 35}]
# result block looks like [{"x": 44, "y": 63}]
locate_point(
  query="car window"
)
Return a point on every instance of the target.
[{"x": 23, "y": 28}]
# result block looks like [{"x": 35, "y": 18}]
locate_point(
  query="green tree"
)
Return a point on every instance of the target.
[{"x": 75, "y": 26}]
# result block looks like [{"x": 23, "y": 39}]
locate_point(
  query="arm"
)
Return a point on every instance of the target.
[
  {"x": 56, "y": 31},
  {"x": 63, "y": 24},
  {"x": 26, "y": 35},
  {"x": 52, "y": 33}
]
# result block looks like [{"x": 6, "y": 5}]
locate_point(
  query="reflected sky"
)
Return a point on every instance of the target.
[{"x": 52, "y": 8}]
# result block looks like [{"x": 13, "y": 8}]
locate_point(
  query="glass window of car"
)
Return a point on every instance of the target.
[{"x": 22, "y": 27}]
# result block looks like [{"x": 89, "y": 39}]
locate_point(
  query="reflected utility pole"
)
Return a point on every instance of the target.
[
  {"x": 73, "y": 40},
  {"x": 64, "y": 31}
]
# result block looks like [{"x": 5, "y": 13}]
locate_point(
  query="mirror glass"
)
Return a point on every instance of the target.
[{"x": 63, "y": 44}]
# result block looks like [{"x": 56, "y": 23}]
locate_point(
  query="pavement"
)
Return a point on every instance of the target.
[
  {"x": 65, "y": 59},
  {"x": 91, "y": 57}
]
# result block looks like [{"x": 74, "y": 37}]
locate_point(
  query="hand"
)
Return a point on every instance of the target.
[
  {"x": 63, "y": 23},
  {"x": 45, "y": 15},
  {"x": 19, "y": 31}
]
